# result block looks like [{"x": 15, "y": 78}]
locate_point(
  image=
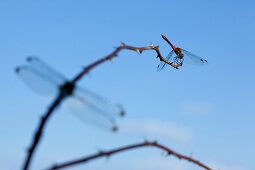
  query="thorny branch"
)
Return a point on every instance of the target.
[
  {"x": 115, "y": 54},
  {"x": 126, "y": 148},
  {"x": 45, "y": 118}
]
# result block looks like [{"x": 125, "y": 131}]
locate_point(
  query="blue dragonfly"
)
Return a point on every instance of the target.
[{"x": 84, "y": 104}]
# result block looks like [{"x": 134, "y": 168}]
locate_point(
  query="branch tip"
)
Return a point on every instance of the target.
[{"x": 107, "y": 154}]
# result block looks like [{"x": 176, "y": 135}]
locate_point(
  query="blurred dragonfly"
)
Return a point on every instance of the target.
[
  {"x": 179, "y": 55},
  {"x": 87, "y": 106}
]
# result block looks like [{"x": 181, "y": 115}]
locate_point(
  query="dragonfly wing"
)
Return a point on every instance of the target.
[
  {"x": 94, "y": 109},
  {"x": 162, "y": 64},
  {"x": 193, "y": 59},
  {"x": 37, "y": 81},
  {"x": 44, "y": 69}
]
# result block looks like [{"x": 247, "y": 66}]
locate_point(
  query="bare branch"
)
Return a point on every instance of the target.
[
  {"x": 126, "y": 148},
  {"x": 114, "y": 54}
]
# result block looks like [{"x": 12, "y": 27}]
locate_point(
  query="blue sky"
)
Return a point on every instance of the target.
[{"x": 207, "y": 111}]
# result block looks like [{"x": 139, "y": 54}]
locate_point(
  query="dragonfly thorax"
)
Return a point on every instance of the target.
[
  {"x": 178, "y": 52},
  {"x": 67, "y": 88}
]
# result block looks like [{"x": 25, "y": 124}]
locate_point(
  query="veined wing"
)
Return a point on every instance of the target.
[
  {"x": 94, "y": 109},
  {"x": 162, "y": 64},
  {"x": 193, "y": 59},
  {"x": 46, "y": 70},
  {"x": 40, "y": 77}
]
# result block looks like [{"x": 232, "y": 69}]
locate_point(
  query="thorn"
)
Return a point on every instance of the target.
[
  {"x": 169, "y": 153},
  {"x": 155, "y": 142},
  {"x": 138, "y": 51},
  {"x": 122, "y": 44},
  {"x": 115, "y": 48},
  {"x": 107, "y": 156},
  {"x": 88, "y": 73},
  {"x": 101, "y": 151},
  {"x": 164, "y": 153}
]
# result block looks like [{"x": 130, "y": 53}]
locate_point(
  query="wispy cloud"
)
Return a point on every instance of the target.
[
  {"x": 155, "y": 129},
  {"x": 162, "y": 163},
  {"x": 223, "y": 166},
  {"x": 196, "y": 108}
]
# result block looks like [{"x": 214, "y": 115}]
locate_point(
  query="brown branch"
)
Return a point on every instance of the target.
[
  {"x": 126, "y": 148},
  {"x": 114, "y": 54}
]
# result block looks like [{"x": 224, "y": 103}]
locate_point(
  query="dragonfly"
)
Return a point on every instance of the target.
[
  {"x": 178, "y": 56},
  {"x": 84, "y": 104}
]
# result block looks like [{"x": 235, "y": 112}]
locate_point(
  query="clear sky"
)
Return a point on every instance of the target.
[{"x": 207, "y": 112}]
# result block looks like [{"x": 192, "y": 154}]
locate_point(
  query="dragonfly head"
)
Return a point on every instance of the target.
[{"x": 67, "y": 88}]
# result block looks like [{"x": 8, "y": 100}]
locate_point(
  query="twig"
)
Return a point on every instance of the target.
[
  {"x": 115, "y": 54},
  {"x": 62, "y": 94},
  {"x": 126, "y": 148}
]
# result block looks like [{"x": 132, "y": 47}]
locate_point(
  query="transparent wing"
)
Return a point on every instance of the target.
[
  {"x": 162, "y": 64},
  {"x": 37, "y": 81},
  {"x": 94, "y": 109},
  {"x": 40, "y": 77},
  {"x": 193, "y": 59},
  {"x": 45, "y": 70}
]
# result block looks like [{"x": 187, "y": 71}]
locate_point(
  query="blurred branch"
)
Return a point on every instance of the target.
[{"x": 126, "y": 148}]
